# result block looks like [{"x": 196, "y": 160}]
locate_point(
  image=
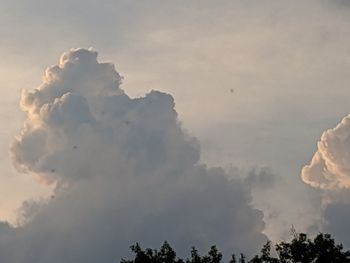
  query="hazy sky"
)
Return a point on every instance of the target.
[{"x": 256, "y": 82}]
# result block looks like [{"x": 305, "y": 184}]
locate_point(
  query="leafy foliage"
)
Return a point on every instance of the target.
[{"x": 301, "y": 249}]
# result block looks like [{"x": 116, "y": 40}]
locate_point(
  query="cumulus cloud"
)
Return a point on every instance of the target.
[
  {"x": 330, "y": 166},
  {"x": 329, "y": 174},
  {"x": 124, "y": 170}
]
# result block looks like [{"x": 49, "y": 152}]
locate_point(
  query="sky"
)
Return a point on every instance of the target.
[{"x": 217, "y": 118}]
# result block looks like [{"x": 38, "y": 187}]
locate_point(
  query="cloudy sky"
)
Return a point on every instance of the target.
[{"x": 219, "y": 121}]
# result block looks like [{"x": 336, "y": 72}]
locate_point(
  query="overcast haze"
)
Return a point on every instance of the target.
[{"x": 240, "y": 107}]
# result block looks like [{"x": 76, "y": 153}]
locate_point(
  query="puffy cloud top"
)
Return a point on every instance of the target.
[
  {"x": 126, "y": 172},
  {"x": 330, "y": 166}
]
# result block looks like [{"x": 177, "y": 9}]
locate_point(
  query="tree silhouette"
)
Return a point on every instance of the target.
[
  {"x": 322, "y": 249},
  {"x": 165, "y": 255},
  {"x": 301, "y": 249}
]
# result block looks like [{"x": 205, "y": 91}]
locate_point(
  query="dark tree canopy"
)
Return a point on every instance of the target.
[{"x": 301, "y": 249}]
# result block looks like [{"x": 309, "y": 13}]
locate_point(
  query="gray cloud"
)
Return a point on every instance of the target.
[
  {"x": 124, "y": 171},
  {"x": 283, "y": 202},
  {"x": 337, "y": 217},
  {"x": 262, "y": 179}
]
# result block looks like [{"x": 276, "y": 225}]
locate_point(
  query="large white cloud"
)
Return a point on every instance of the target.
[
  {"x": 124, "y": 171},
  {"x": 330, "y": 166},
  {"x": 329, "y": 173}
]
